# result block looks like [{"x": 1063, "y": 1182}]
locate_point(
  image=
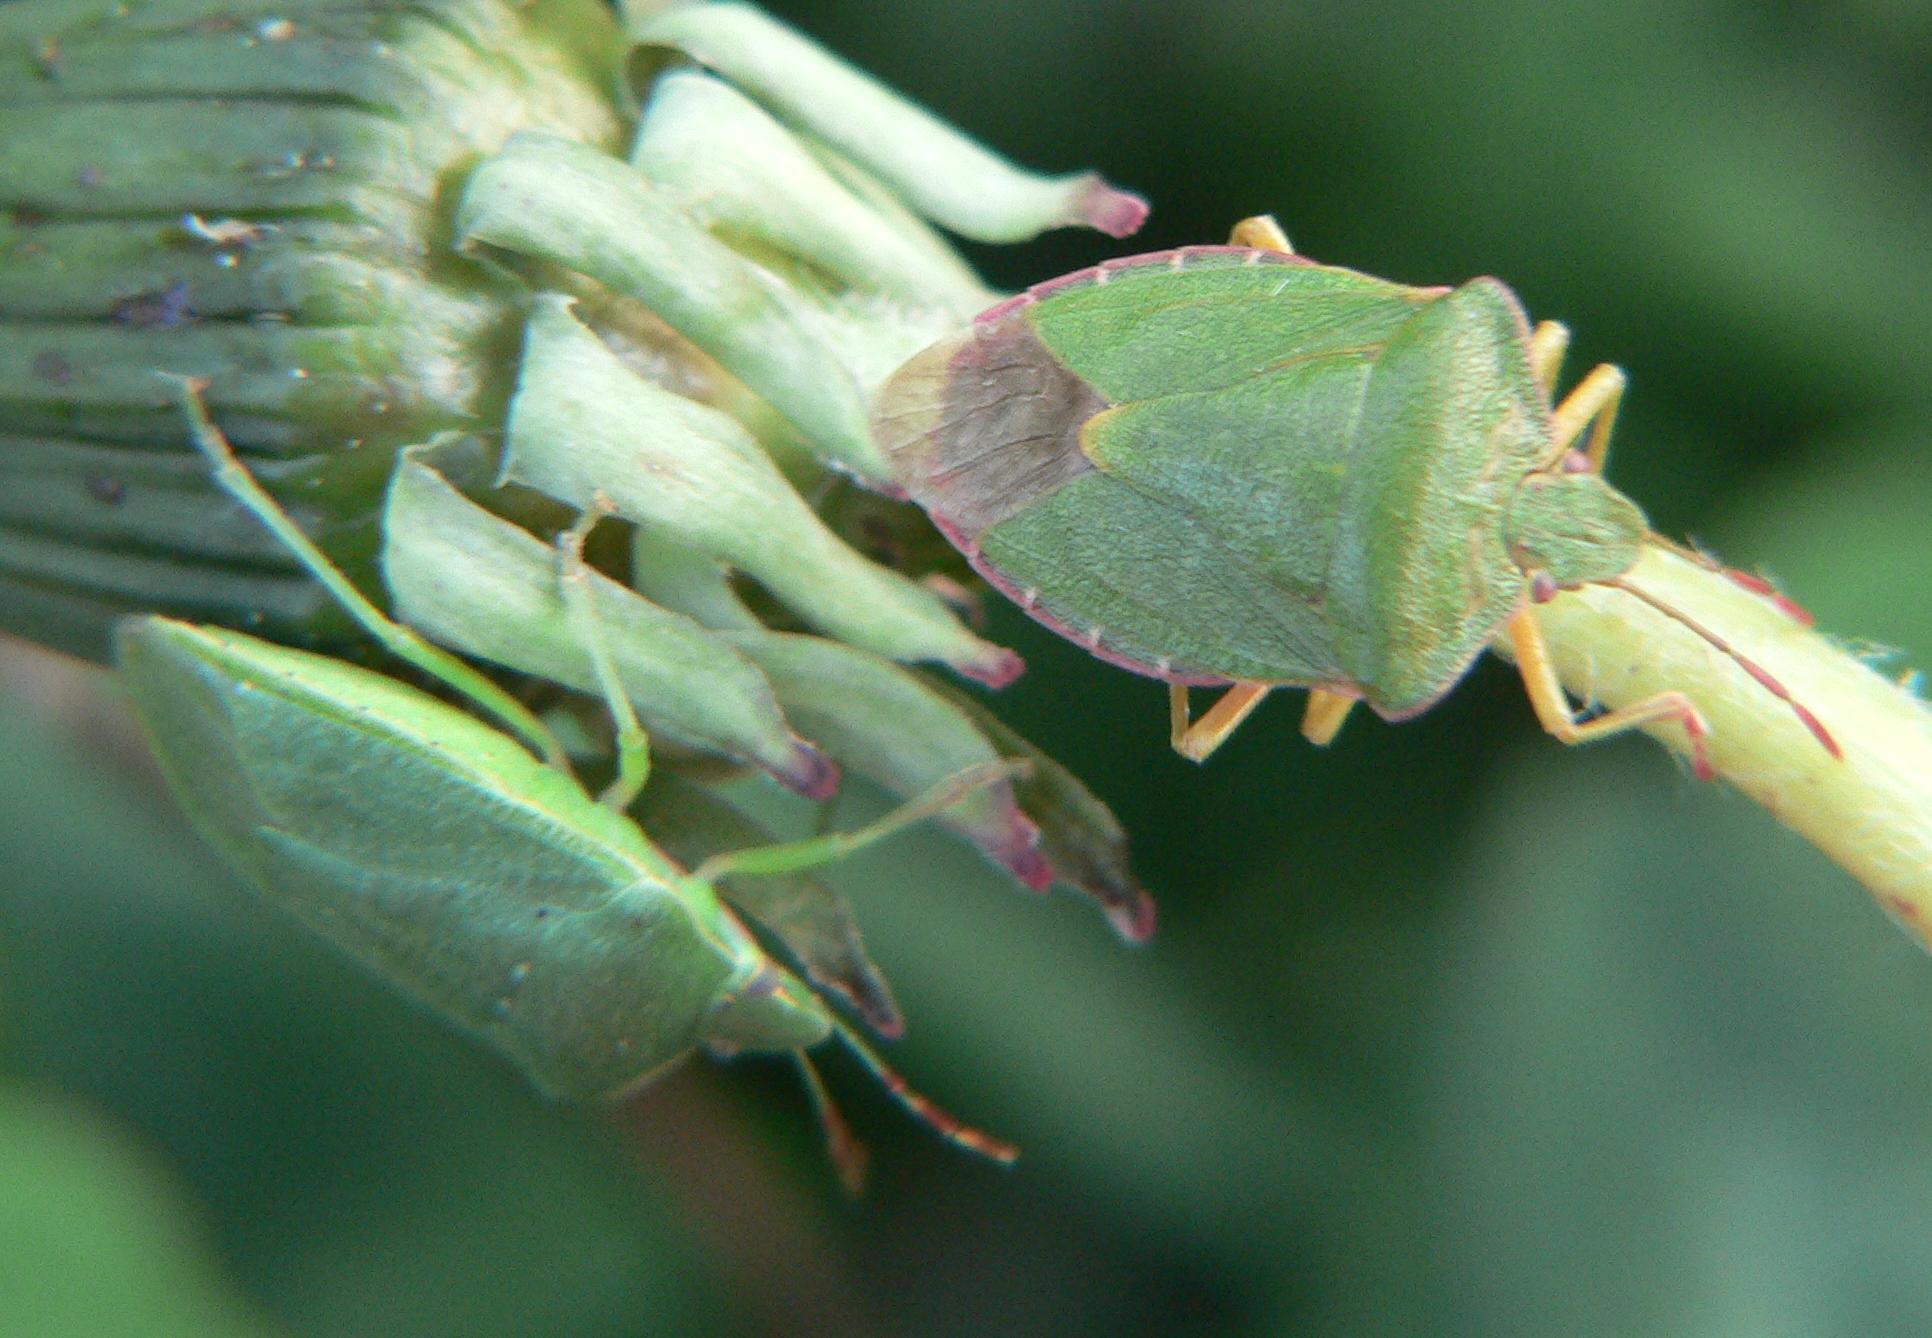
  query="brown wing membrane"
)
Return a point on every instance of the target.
[{"x": 980, "y": 425}]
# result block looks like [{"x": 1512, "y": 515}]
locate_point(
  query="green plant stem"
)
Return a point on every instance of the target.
[{"x": 1870, "y": 811}]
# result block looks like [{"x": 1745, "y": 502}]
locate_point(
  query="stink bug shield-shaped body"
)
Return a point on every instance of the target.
[
  {"x": 442, "y": 854},
  {"x": 446, "y": 857},
  {"x": 1228, "y": 464},
  {"x": 472, "y": 869}
]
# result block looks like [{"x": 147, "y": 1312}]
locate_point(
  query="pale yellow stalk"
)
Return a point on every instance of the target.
[{"x": 1870, "y": 811}]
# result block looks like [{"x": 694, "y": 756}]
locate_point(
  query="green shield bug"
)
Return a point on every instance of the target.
[
  {"x": 470, "y": 867},
  {"x": 1231, "y": 465}
]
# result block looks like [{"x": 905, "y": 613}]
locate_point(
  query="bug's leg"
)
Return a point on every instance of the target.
[
  {"x": 1195, "y": 741},
  {"x": 921, "y": 1108},
  {"x": 1593, "y": 399},
  {"x": 1547, "y": 345},
  {"x": 791, "y": 856},
  {"x": 580, "y": 612},
  {"x": 1262, "y": 233},
  {"x": 1178, "y": 712},
  {"x": 849, "y": 1156},
  {"x": 1325, "y": 714},
  {"x": 234, "y": 479},
  {"x": 1553, "y": 708}
]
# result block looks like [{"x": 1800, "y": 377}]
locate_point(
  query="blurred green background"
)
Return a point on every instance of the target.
[{"x": 1447, "y": 1030}]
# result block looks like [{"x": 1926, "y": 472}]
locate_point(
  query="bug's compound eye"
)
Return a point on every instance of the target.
[
  {"x": 1576, "y": 462},
  {"x": 1543, "y": 588}
]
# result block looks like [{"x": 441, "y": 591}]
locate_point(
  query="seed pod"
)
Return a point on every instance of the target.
[
  {"x": 697, "y": 475},
  {"x": 422, "y": 234},
  {"x": 482, "y": 585},
  {"x": 291, "y": 249},
  {"x": 734, "y": 170},
  {"x": 940, "y": 172}
]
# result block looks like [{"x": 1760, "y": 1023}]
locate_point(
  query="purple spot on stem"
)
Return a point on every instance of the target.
[{"x": 160, "y": 308}]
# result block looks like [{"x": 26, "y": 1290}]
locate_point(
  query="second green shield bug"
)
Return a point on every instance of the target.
[
  {"x": 1231, "y": 465},
  {"x": 470, "y": 867}
]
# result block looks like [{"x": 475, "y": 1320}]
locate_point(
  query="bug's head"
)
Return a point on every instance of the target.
[
  {"x": 771, "y": 1011},
  {"x": 1573, "y": 528}
]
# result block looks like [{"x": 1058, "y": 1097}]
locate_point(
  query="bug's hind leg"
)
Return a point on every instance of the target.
[
  {"x": 1324, "y": 716},
  {"x": 1553, "y": 708},
  {"x": 1547, "y": 345},
  {"x": 1594, "y": 399},
  {"x": 1262, "y": 233},
  {"x": 1195, "y": 741}
]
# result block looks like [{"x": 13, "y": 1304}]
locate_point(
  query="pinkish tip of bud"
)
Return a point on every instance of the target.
[
  {"x": 887, "y": 1027},
  {"x": 811, "y": 773},
  {"x": 1134, "y": 918},
  {"x": 996, "y": 669},
  {"x": 1116, "y": 212},
  {"x": 1031, "y": 868}
]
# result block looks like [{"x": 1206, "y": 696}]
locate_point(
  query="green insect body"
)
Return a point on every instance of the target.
[
  {"x": 446, "y": 857},
  {"x": 1257, "y": 483},
  {"x": 1228, "y": 464},
  {"x": 478, "y": 875}
]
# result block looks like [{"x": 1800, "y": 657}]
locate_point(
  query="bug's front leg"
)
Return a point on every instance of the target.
[
  {"x": 1593, "y": 399},
  {"x": 1324, "y": 716},
  {"x": 1197, "y": 740},
  {"x": 1547, "y": 345},
  {"x": 1553, "y": 708},
  {"x": 1262, "y": 233}
]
